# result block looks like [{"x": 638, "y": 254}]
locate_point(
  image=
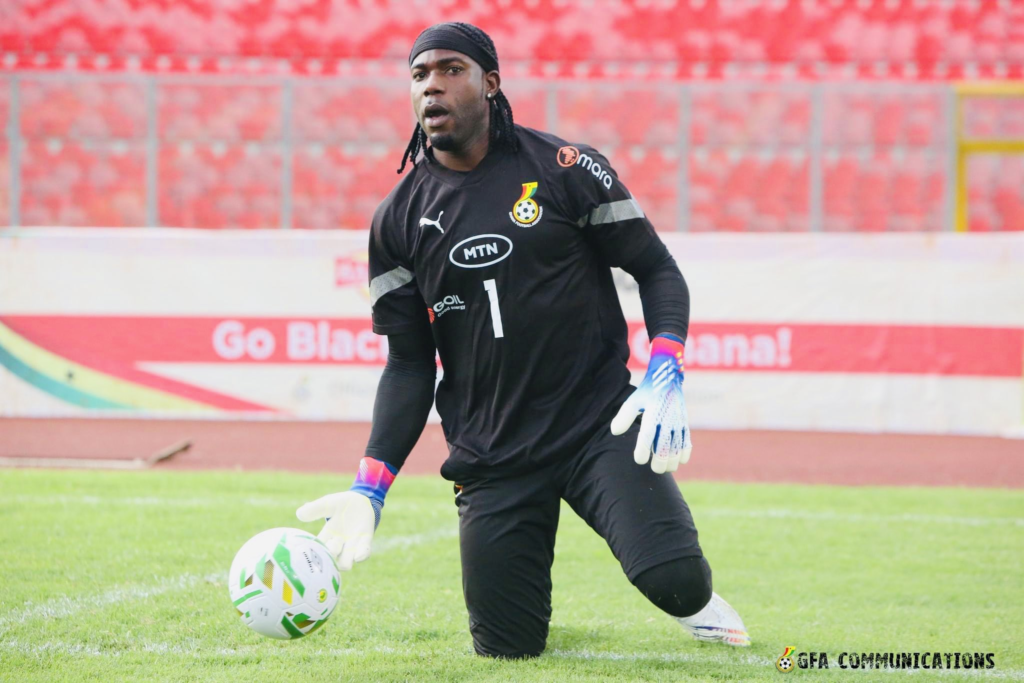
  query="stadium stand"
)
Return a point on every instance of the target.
[
  {"x": 243, "y": 92},
  {"x": 342, "y": 184},
  {"x": 220, "y": 185},
  {"x": 690, "y": 31},
  {"x": 83, "y": 184},
  {"x": 219, "y": 112}
]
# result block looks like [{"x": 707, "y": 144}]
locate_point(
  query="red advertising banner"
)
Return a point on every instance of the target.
[{"x": 108, "y": 342}]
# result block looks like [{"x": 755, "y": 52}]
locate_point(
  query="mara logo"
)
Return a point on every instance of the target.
[
  {"x": 480, "y": 251},
  {"x": 595, "y": 169},
  {"x": 526, "y": 212},
  {"x": 567, "y": 156},
  {"x": 449, "y": 303}
]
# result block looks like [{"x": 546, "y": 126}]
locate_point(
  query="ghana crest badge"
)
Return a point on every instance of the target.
[
  {"x": 526, "y": 212},
  {"x": 785, "y": 662}
]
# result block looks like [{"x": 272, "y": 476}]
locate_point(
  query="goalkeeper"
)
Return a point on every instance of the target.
[{"x": 495, "y": 252}]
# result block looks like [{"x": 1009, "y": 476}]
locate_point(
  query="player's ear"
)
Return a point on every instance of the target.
[{"x": 492, "y": 84}]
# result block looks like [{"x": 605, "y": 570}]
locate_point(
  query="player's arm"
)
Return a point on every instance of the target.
[
  {"x": 664, "y": 437},
  {"x": 617, "y": 227},
  {"x": 404, "y": 397}
]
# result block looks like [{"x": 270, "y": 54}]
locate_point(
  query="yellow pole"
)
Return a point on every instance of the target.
[
  {"x": 960, "y": 223},
  {"x": 961, "y": 188},
  {"x": 964, "y": 148}
]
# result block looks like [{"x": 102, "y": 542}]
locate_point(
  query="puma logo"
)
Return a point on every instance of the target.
[{"x": 436, "y": 224}]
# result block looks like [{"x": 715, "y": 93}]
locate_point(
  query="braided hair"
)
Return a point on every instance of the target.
[{"x": 502, "y": 129}]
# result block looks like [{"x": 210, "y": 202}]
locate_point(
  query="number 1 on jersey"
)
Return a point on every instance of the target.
[{"x": 492, "y": 295}]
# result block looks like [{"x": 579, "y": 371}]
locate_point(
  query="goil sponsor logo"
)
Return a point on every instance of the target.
[
  {"x": 480, "y": 251},
  {"x": 449, "y": 303}
]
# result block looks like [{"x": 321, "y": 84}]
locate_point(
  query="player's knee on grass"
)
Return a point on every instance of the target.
[
  {"x": 679, "y": 587},
  {"x": 510, "y": 623},
  {"x": 488, "y": 643}
]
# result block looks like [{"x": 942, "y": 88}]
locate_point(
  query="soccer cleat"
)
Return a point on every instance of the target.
[{"x": 718, "y": 622}]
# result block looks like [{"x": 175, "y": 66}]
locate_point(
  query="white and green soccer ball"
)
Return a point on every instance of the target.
[{"x": 284, "y": 583}]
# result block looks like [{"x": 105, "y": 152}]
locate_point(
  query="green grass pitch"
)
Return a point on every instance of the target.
[{"x": 122, "y": 576}]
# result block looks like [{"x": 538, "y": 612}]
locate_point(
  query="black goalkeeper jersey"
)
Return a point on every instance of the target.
[{"x": 508, "y": 266}]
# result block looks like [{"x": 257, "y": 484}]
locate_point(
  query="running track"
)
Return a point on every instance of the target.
[{"x": 738, "y": 456}]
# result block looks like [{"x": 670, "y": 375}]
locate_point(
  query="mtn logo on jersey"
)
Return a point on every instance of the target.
[
  {"x": 526, "y": 212},
  {"x": 449, "y": 303},
  {"x": 480, "y": 251}
]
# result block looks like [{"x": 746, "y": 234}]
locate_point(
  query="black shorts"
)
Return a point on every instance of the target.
[{"x": 507, "y": 535}]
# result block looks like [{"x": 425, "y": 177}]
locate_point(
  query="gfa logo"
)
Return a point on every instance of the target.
[
  {"x": 526, "y": 212},
  {"x": 785, "y": 663},
  {"x": 791, "y": 659}
]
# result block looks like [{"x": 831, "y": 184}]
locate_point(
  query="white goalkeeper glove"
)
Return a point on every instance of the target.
[
  {"x": 664, "y": 430},
  {"x": 352, "y": 516},
  {"x": 348, "y": 532}
]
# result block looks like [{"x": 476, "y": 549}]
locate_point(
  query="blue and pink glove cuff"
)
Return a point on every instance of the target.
[
  {"x": 666, "y": 347},
  {"x": 373, "y": 480}
]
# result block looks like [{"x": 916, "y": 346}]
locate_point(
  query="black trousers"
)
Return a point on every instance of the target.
[{"x": 507, "y": 536}]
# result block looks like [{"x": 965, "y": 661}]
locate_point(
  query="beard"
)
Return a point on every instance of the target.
[
  {"x": 444, "y": 142},
  {"x": 460, "y": 135}
]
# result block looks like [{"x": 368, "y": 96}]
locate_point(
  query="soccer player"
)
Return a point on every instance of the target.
[{"x": 495, "y": 251}]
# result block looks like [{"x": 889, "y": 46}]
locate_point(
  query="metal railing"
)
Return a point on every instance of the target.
[{"x": 717, "y": 124}]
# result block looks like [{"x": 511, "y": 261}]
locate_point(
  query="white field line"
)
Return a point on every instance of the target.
[
  {"x": 400, "y": 506},
  {"x": 402, "y": 542},
  {"x": 739, "y": 657},
  {"x": 857, "y": 518},
  {"x": 143, "y": 501},
  {"x": 193, "y": 649},
  {"x": 62, "y": 607},
  {"x": 58, "y": 608}
]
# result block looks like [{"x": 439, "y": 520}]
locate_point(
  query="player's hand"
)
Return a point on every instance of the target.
[
  {"x": 664, "y": 430},
  {"x": 348, "y": 532}
]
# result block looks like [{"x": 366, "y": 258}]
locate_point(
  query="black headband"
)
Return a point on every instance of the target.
[{"x": 452, "y": 36}]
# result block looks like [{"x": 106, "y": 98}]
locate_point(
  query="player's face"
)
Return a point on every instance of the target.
[{"x": 449, "y": 96}]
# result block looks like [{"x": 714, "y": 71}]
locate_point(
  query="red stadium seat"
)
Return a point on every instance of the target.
[
  {"x": 881, "y": 192},
  {"x": 219, "y": 112},
  {"x": 340, "y": 186},
  {"x": 748, "y": 194},
  {"x": 329, "y": 112},
  {"x": 83, "y": 108},
  {"x": 95, "y": 184},
  {"x": 995, "y": 193},
  {"x": 602, "y": 117},
  {"x": 220, "y": 185},
  {"x": 782, "y": 32}
]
